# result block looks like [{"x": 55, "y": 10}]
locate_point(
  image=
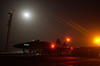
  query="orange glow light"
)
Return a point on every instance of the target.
[
  {"x": 68, "y": 39},
  {"x": 97, "y": 41}
]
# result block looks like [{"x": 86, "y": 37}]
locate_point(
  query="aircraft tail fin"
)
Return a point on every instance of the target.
[
  {"x": 59, "y": 42},
  {"x": 65, "y": 43}
]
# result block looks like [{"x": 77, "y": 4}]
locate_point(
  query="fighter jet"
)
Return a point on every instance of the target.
[{"x": 42, "y": 46}]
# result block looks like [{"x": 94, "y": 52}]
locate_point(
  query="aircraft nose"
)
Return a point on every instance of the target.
[
  {"x": 18, "y": 46},
  {"x": 14, "y": 45}
]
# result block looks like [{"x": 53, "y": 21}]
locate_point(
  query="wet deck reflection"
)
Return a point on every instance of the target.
[{"x": 33, "y": 60}]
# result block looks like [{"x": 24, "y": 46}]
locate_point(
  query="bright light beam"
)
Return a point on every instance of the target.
[{"x": 26, "y": 14}]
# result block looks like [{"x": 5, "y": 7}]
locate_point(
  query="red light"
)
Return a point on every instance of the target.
[
  {"x": 71, "y": 48},
  {"x": 52, "y": 45}
]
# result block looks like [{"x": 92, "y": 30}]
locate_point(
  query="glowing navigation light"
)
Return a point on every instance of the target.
[
  {"x": 71, "y": 48},
  {"x": 68, "y": 39},
  {"x": 52, "y": 45}
]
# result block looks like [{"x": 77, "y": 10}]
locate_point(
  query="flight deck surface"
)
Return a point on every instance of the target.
[{"x": 46, "y": 60}]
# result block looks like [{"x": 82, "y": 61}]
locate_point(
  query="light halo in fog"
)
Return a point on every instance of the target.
[{"x": 26, "y": 14}]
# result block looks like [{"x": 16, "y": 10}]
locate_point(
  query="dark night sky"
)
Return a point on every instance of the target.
[{"x": 48, "y": 20}]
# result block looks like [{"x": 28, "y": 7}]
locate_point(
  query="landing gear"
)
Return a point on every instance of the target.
[
  {"x": 50, "y": 53},
  {"x": 59, "y": 53},
  {"x": 23, "y": 50},
  {"x": 30, "y": 51}
]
